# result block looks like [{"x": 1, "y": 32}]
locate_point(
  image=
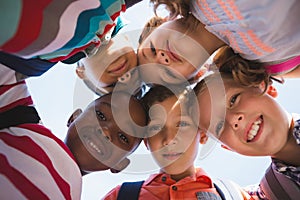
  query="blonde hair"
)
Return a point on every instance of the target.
[{"x": 150, "y": 26}]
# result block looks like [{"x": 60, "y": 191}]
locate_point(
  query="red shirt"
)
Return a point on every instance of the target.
[{"x": 161, "y": 186}]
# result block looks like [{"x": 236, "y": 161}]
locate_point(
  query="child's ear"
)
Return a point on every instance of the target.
[
  {"x": 120, "y": 166},
  {"x": 75, "y": 114},
  {"x": 80, "y": 70},
  {"x": 203, "y": 137},
  {"x": 272, "y": 91}
]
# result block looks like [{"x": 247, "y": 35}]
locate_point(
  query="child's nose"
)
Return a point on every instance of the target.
[
  {"x": 236, "y": 120},
  {"x": 106, "y": 133},
  {"x": 163, "y": 58},
  {"x": 169, "y": 139}
]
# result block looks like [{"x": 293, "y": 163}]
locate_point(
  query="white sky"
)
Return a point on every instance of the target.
[{"x": 58, "y": 93}]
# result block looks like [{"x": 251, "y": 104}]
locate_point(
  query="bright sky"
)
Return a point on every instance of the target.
[{"x": 58, "y": 93}]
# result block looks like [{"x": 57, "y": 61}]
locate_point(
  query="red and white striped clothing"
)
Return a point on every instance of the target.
[{"x": 35, "y": 164}]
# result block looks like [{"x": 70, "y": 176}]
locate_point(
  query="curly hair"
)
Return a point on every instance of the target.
[
  {"x": 152, "y": 24},
  {"x": 178, "y": 9},
  {"x": 245, "y": 72},
  {"x": 175, "y": 7}
]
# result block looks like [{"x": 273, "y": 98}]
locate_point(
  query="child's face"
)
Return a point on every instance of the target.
[
  {"x": 254, "y": 123},
  {"x": 172, "y": 137},
  {"x": 171, "y": 45},
  {"x": 110, "y": 62},
  {"x": 97, "y": 141}
]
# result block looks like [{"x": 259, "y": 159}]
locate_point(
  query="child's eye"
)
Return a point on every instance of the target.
[
  {"x": 219, "y": 128},
  {"x": 233, "y": 99},
  {"x": 100, "y": 115},
  {"x": 123, "y": 138},
  {"x": 153, "y": 50},
  {"x": 183, "y": 124}
]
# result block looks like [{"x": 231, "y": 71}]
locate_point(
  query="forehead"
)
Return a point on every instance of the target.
[
  {"x": 212, "y": 104},
  {"x": 169, "y": 107},
  {"x": 173, "y": 25},
  {"x": 120, "y": 101},
  {"x": 127, "y": 113}
]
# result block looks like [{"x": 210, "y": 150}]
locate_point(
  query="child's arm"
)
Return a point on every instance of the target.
[
  {"x": 293, "y": 74},
  {"x": 286, "y": 69}
]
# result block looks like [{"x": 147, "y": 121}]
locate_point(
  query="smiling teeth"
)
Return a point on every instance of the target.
[
  {"x": 95, "y": 147},
  {"x": 253, "y": 131}
]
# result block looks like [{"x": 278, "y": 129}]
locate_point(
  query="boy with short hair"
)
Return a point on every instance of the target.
[
  {"x": 252, "y": 124},
  {"x": 173, "y": 138},
  {"x": 36, "y": 164}
]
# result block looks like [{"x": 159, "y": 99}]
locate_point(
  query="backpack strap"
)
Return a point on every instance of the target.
[
  {"x": 28, "y": 67},
  {"x": 130, "y": 190},
  {"x": 18, "y": 115},
  {"x": 220, "y": 192},
  {"x": 275, "y": 185},
  {"x": 227, "y": 189}
]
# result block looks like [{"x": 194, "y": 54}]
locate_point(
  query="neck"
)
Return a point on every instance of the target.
[
  {"x": 189, "y": 172},
  {"x": 291, "y": 150}
]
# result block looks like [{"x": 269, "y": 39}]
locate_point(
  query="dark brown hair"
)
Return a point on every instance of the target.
[
  {"x": 178, "y": 9},
  {"x": 245, "y": 72},
  {"x": 175, "y": 7},
  {"x": 159, "y": 93}
]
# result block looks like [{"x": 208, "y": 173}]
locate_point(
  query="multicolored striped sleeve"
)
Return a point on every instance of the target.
[{"x": 54, "y": 29}]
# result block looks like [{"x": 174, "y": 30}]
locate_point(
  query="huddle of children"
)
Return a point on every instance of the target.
[{"x": 172, "y": 122}]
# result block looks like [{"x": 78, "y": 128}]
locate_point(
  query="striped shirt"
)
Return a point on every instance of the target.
[
  {"x": 55, "y": 30},
  {"x": 34, "y": 163},
  {"x": 263, "y": 30}
]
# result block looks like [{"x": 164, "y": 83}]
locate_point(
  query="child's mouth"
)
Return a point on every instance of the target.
[
  {"x": 94, "y": 146},
  {"x": 172, "y": 156},
  {"x": 255, "y": 128},
  {"x": 120, "y": 69},
  {"x": 171, "y": 54}
]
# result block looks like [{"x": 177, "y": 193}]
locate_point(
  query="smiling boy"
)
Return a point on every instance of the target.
[
  {"x": 173, "y": 139},
  {"x": 97, "y": 140},
  {"x": 253, "y": 124},
  {"x": 101, "y": 71},
  {"x": 100, "y": 142}
]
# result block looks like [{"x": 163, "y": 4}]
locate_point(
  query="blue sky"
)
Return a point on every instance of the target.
[{"x": 58, "y": 93}]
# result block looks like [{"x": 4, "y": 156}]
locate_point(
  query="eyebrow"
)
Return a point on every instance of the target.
[
  {"x": 106, "y": 104},
  {"x": 143, "y": 54}
]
